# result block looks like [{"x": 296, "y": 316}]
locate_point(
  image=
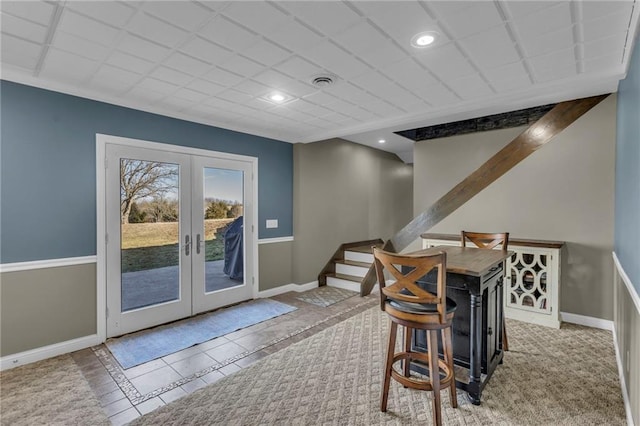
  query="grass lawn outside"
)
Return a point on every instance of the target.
[{"x": 155, "y": 245}]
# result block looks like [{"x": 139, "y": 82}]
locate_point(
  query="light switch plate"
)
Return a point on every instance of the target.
[{"x": 272, "y": 223}]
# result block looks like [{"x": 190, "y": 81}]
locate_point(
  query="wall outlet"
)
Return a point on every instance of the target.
[{"x": 272, "y": 223}]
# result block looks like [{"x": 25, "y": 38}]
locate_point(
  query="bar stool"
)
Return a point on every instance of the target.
[{"x": 414, "y": 308}]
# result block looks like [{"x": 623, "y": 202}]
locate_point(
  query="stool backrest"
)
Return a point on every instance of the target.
[
  {"x": 485, "y": 239},
  {"x": 405, "y": 287}
]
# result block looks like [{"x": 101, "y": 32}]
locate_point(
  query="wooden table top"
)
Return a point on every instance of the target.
[
  {"x": 468, "y": 260},
  {"x": 512, "y": 241}
]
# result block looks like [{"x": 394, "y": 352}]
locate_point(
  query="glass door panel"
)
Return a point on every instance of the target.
[
  {"x": 148, "y": 238},
  {"x": 221, "y": 249}
]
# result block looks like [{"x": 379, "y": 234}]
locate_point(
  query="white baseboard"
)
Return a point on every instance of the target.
[
  {"x": 286, "y": 288},
  {"x": 38, "y": 354},
  {"x": 587, "y": 321}
]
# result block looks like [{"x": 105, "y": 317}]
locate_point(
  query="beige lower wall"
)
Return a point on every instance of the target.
[
  {"x": 344, "y": 192},
  {"x": 627, "y": 329},
  {"x": 275, "y": 264},
  {"x": 564, "y": 191},
  {"x": 42, "y": 307}
]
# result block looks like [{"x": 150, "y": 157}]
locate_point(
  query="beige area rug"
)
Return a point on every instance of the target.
[
  {"x": 49, "y": 392},
  {"x": 550, "y": 377}
]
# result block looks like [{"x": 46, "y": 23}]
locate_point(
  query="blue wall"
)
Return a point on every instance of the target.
[
  {"x": 627, "y": 225},
  {"x": 48, "y": 170}
]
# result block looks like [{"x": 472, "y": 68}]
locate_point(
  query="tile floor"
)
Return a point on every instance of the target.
[{"x": 128, "y": 394}]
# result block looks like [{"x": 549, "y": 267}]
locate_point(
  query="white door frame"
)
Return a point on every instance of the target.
[{"x": 101, "y": 228}]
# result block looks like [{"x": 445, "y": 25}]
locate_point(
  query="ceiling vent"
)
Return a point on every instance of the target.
[{"x": 323, "y": 80}]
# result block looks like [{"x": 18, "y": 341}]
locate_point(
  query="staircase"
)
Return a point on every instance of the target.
[{"x": 351, "y": 267}]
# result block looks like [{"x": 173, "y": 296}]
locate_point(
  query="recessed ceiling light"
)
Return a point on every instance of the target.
[
  {"x": 381, "y": 141},
  {"x": 277, "y": 98},
  {"x": 424, "y": 39}
]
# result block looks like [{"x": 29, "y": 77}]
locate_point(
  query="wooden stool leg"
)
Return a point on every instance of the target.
[
  {"x": 407, "y": 348},
  {"x": 505, "y": 341},
  {"x": 393, "y": 330},
  {"x": 448, "y": 356},
  {"x": 434, "y": 374}
]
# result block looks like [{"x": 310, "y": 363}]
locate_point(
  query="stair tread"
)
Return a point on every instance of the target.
[
  {"x": 345, "y": 277},
  {"x": 364, "y": 249},
  {"x": 354, "y": 263}
]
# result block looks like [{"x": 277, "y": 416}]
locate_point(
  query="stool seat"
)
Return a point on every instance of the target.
[{"x": 421, "y": 308}]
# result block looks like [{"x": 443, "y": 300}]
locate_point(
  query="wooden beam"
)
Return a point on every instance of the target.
[{"x": 534, "y": 137}]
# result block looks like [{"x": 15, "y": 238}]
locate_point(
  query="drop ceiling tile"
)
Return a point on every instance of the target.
[
  {"x": 67, "y": 67},
  {"x": 439, "y": 96},
  {"x": 24, "y": 29},
  {"x": 604, "y": 27},
  {"x": 518, "y": 9},
  {"x": 593, "y": 10},
  {"x": 141, "y": 48},
  {"x": 242, "y": 66},
  {"x": 80, "y": 46},
  {"x": 284, "y": 83},
  {"x": 491, "y": 48},
  {"x": 129, "y": 62},
  {"x": 186, "y": 64},
  {"x": 206, "y": 87},
  {"x": 186, "y": 15},
  {"x": 382, "y": 109},
  {"x": 222, "y": 77},
  {"x": 446, "y": 62},
  {"x": 544, "y": 21},
  {"x": 189, "y": 95},
  {"x": 557, "y": 65},
  {"x": 110, "y": 12},
  {"x": 110, "y": 87},
  {"x": 374, "y": 82},
  {"x": 548, "y": 42},
  {"x": 153, "y": 29},
  {"x": 34, "y": 11},
  {"x": 235, "y": 96},
  {"x": 261, "y": 17},
  {"x": 266, "y": 53},
  {"x": 87, "y": 28},
  {"x": 470, "y": 87},
  {"x": 171, "y": 76},
  {"x": 109, "y": 73},
  {"x": 400, "y": 26},
  {"x": 253, "y": 88},
  {"x": 330, "y": 18},
  {"x": 174, "y": 104},
  {"x": 299, "y": 68},
  {"x": 613, "y": 46},
  {"x": 602, "y": 63},
  {"x": 321, "y": 98},
  {"x": 360, "y": 38},
  {"x": 20, "y": 53},
  {"x": 336, "y": 60},
  {"x": 144, "y": 95},
  {"x": 408, "y": 73},
  {"x": 387, "y": 53},
  {"x": 509, "y": 77},
  {"x": 206, "y": 51},
  {"x": 473, "y": 18},
  {"x": 226, "y": 33},
  {"x": 156, "y": 85},
  {"x": 294, "y": 36}
]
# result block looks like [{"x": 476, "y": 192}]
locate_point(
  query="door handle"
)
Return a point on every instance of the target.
[
  {"x": 187, "y": 244},
  {"x": 198, "y": 244}
]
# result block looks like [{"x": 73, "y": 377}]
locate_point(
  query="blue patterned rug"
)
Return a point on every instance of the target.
[{"x": 143, "y": 346}]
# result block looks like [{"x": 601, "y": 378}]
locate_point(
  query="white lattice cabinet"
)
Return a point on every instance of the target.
[{"x": 532, "y": 278}]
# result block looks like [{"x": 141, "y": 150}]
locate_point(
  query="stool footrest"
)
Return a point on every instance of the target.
[{"x": 416, "y": 383}]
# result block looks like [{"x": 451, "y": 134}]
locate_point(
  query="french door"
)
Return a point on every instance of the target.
[{"x": 176, "y": 243}]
